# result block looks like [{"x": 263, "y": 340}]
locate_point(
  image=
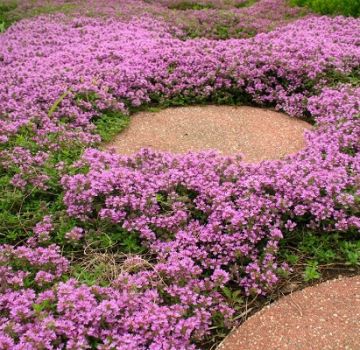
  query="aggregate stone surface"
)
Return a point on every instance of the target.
[
  {"x": 259, "y": 134},
  {"x": 321, "y": 317}
]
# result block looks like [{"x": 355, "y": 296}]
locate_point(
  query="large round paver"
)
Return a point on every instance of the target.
[
  {"x": 322, "y": 317},
  {"x": 258, "y": 133}
]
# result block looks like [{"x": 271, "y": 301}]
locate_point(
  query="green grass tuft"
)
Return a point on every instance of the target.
[
  {"x": 188, "y": 5},
  {"x": 246, "y": 3},
  {"x": 6, "y": 19},
  {"x": 110, "y": 123},
  {"x": 331, "y": 7}
]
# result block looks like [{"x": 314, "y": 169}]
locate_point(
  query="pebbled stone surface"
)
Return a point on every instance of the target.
[
  {"x": 260, "y": 134},
  {"x": 322, "y": 317}
]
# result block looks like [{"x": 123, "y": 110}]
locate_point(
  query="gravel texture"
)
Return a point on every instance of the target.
[
  {"x": 322, "y": 317},
  {"x": 259, "y": 134}
]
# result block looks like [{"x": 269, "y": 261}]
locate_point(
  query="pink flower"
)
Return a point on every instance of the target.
[{"x": 75, "y": 234}]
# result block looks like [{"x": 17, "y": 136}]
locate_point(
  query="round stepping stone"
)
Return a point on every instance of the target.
[
  {"x": 259, "y": 134},
  {"x": 322, "y": 317}
]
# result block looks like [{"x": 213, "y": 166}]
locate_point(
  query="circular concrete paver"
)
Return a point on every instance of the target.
[
  {"x": 322, "y": 317},
  {"x": 260, "y": 134}
]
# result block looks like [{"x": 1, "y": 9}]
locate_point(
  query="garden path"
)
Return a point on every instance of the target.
[
  {"x": 321, "y": 317},
  {"x": 260, "y": 134}
]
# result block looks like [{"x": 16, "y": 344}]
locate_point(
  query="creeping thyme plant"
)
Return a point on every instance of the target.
[{"x": 188, "y": 236}]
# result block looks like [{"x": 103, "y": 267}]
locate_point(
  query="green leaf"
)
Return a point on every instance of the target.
[{"x": 311, "y": 271}]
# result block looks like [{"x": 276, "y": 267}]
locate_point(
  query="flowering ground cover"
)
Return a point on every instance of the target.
[
  {"x": 172, "y": 244},
  {"x": 211, "y": 19}
]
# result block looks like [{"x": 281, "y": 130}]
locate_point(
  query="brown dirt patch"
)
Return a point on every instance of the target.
[
  {"x": 325, "y": 316},
  {"x": 260, "y": 134}
]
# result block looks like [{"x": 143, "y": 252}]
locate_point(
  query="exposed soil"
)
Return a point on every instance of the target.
[
  {"x": 325, "y": 316},
  {"x": 259, "y": 134}
]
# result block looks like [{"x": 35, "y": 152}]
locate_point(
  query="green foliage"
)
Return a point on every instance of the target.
[
  {"x": 222, "y": 32},
  {"x": 246, "y": 32},
  {"x": 331, "y": 7},
  {"x": 351, "y": 252},
  {"x": 48, "y": 9},
  {"x": 188, "y": 5},
  {"x": 234, "y": 297},
  {"x": 320, "y": 249},
  {"x": 311, "y": 271},
  {"x": 56, "y": 104},
  {"x": 331, "y": 248},
  {"x": 191, "y": 5},
  {"x": 230, "y": 96},
  {"x": 110, "y": 123},
  {"x": 46, "y": 305},
  {"x": 334, "y": 78},
  {"x": 245, "y": 3},
  {"x": 172, "y": 67},
  {"x": 106, "y": 236},
  {"x": 10, "y": 12},
  {"x": 6, "y": 18},
  {"x": 92, "y": 276},
  {"x": 292, "y": 259}
]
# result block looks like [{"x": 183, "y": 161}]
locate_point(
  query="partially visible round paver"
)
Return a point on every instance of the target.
[
  {"x": 322, "y": 317},
  {"x": 260, "y": 134}
]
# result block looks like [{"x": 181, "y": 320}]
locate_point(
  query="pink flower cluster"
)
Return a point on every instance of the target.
[
  {"x": 20, "y": 262},
  {"x": 128, "y": 63},
  {"x": 219, "y": 19},
  {"x": 80, "y": 317},
  {"x": 207, "y": 220},
  {"x": 232, "y": 21}
]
